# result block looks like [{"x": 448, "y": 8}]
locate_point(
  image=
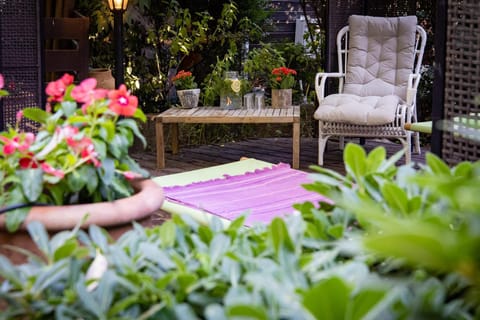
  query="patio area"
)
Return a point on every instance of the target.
[{"x": 272, "y": 150}]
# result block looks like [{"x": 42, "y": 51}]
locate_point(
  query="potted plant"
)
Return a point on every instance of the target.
[
  {"x": 79, "y": 156},
  {"x": 187, "y": 90},
  {"x": 282, "y": 81}
]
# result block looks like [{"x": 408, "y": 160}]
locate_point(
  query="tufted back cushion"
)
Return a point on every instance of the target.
[{"x": 381, "y": 55}]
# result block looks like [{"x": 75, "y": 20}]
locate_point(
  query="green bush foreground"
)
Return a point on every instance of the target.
[{"x": 399, "y": 243}]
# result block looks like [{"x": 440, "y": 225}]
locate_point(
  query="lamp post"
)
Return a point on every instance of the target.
[{"x": 118, "y": 7}]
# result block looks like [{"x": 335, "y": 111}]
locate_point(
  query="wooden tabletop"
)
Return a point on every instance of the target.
[{"x": 217, "y": 115}]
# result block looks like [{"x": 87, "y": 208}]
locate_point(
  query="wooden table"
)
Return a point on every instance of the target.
[{"x": 174, "y": 116}]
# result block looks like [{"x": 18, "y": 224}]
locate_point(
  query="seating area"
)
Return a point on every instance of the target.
[{"x": 344, "y": 201}]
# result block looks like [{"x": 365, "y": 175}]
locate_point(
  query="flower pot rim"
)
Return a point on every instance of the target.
[{"x": 148, "y": 198}]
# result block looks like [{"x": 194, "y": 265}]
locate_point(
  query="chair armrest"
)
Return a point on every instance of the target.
[
  {"x": 320, "y": 80},
  {"x": 413, "y": 81}
]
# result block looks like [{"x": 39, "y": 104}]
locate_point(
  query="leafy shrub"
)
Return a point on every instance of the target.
[{"x": 399, "y": 243}]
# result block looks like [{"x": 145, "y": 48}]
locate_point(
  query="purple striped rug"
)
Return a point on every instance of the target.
[{"x": 263, "y": 194}]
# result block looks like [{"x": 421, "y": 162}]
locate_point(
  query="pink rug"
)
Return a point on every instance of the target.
[{"x": 263, "y": 194}]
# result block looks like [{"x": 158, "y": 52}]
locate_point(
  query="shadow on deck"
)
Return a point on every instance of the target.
[{"x": 272, "y": 150}]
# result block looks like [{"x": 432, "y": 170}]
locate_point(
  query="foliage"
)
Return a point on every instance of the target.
[
  {"x": 260, "y": 62},
  {"x": 282, "y": 78},
  {"x": 79, "y": 154},
  {"x": 398, "y": 243},
  {"x": 184, "y": 80},
  {"x": 164, "y": 36}
]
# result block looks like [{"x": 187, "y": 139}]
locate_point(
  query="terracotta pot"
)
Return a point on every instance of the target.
[
  {"x": 148, "y": 198},
  {"x": 104, "y": 78},
  {"x": 116, "y": 216},
  {"x": 281, "y": 98}
]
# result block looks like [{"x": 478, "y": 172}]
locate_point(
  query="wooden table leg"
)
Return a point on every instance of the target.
[
  {"x": 174, "y": 133},
  {"x": 160, "y": 143},
  {"x": 296, "y": 144}
]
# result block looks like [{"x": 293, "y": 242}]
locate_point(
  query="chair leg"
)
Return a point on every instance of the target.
[
  {"x": 408, "y": 148},
  {"x": 416, "y": 139},
  {"x": 322, "y": 142}
]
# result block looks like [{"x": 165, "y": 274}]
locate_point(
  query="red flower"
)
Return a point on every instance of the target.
[
  {"x": 86, "y": 93},
  {"x": 28, "y": 162},
  {"x": 121, "y": 102},
  {"x": 56, "y": 89}
]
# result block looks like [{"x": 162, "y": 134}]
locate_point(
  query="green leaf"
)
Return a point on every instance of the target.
[
  {"x": 354, "y": 157},
  {"x": 65, "y": 250},
  {"x": 167, "y": 233},
  {"x": 69, "y": 107},
  {"x": 279, "y": 235},
  {"x": 436, "y": 164},
  {"x": 140, "y": 115},
  {"x": 363, "y": 302},
  {"x": 39, "y": 235},
  {"x": 245, "y": 311},
  {"x": 35, "y": 114},
  {"x": 219, "y": 245},
  {"x": 132, "y": 125},
  {"x": 395, "y": 197},
  {"x": 336, "y": 231},
  {"x": 328, "y": 299},
  {"x": 32, "y": 183},
  {"x": 77, "y": 179},
  {"x": 375, "y": 158}
]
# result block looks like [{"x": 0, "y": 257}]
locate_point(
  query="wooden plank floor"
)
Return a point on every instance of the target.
[{"x": 272, "y": 150}]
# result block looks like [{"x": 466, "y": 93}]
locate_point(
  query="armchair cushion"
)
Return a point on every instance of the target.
[
  {"x": 349, "y": 108},
  {"x": 381, "y": 55}
]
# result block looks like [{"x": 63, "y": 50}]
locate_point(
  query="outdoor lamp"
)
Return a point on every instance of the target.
[{"x": 118, "y": 7}]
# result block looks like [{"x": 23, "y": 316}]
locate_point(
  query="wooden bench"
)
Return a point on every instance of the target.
[{"x": 174, "y": 116}]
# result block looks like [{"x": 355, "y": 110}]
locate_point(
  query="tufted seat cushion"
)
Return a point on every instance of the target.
[{"x": 349, "y": 108}]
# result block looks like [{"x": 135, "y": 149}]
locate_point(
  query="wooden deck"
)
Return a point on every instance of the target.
[{"x": 273, "y": 150}]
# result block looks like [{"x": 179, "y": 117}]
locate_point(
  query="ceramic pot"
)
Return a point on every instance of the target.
[
  {"x": 104, "y": 78},
  {"x": 189, "y": 98},
  {"x": 281, "y": 98}
]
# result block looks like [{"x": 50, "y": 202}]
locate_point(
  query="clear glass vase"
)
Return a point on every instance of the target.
[{"x": 231, "y": 93}]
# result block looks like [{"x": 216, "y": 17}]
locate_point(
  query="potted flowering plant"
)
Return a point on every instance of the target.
[
  {"x": 78, "y": 155},
  {"x": 187, "y": 90},
  {"x": 283, "y": 78},
  {"x": 282, "y": 81}
]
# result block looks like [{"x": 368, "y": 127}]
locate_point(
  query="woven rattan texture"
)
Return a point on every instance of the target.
[
  {"x": 19, "y": 58},
  {"x": 462, "y": 77}
]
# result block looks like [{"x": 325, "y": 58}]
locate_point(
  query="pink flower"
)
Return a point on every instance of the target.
[
  {"x": 91, "y": 155},
  {"x": 19, "y": 115},
  {"x": 56, "y": 89},
  {"x": 2, "y": 82},
  {"x": 86, "y": 93},
  {"x": 21, "y": 143},
  {"x": 121, "y": 102},
  {"x": 52, "y": 171}
]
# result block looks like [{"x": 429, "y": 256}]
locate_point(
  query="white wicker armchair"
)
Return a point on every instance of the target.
[{"x": 379, "y": 61}]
